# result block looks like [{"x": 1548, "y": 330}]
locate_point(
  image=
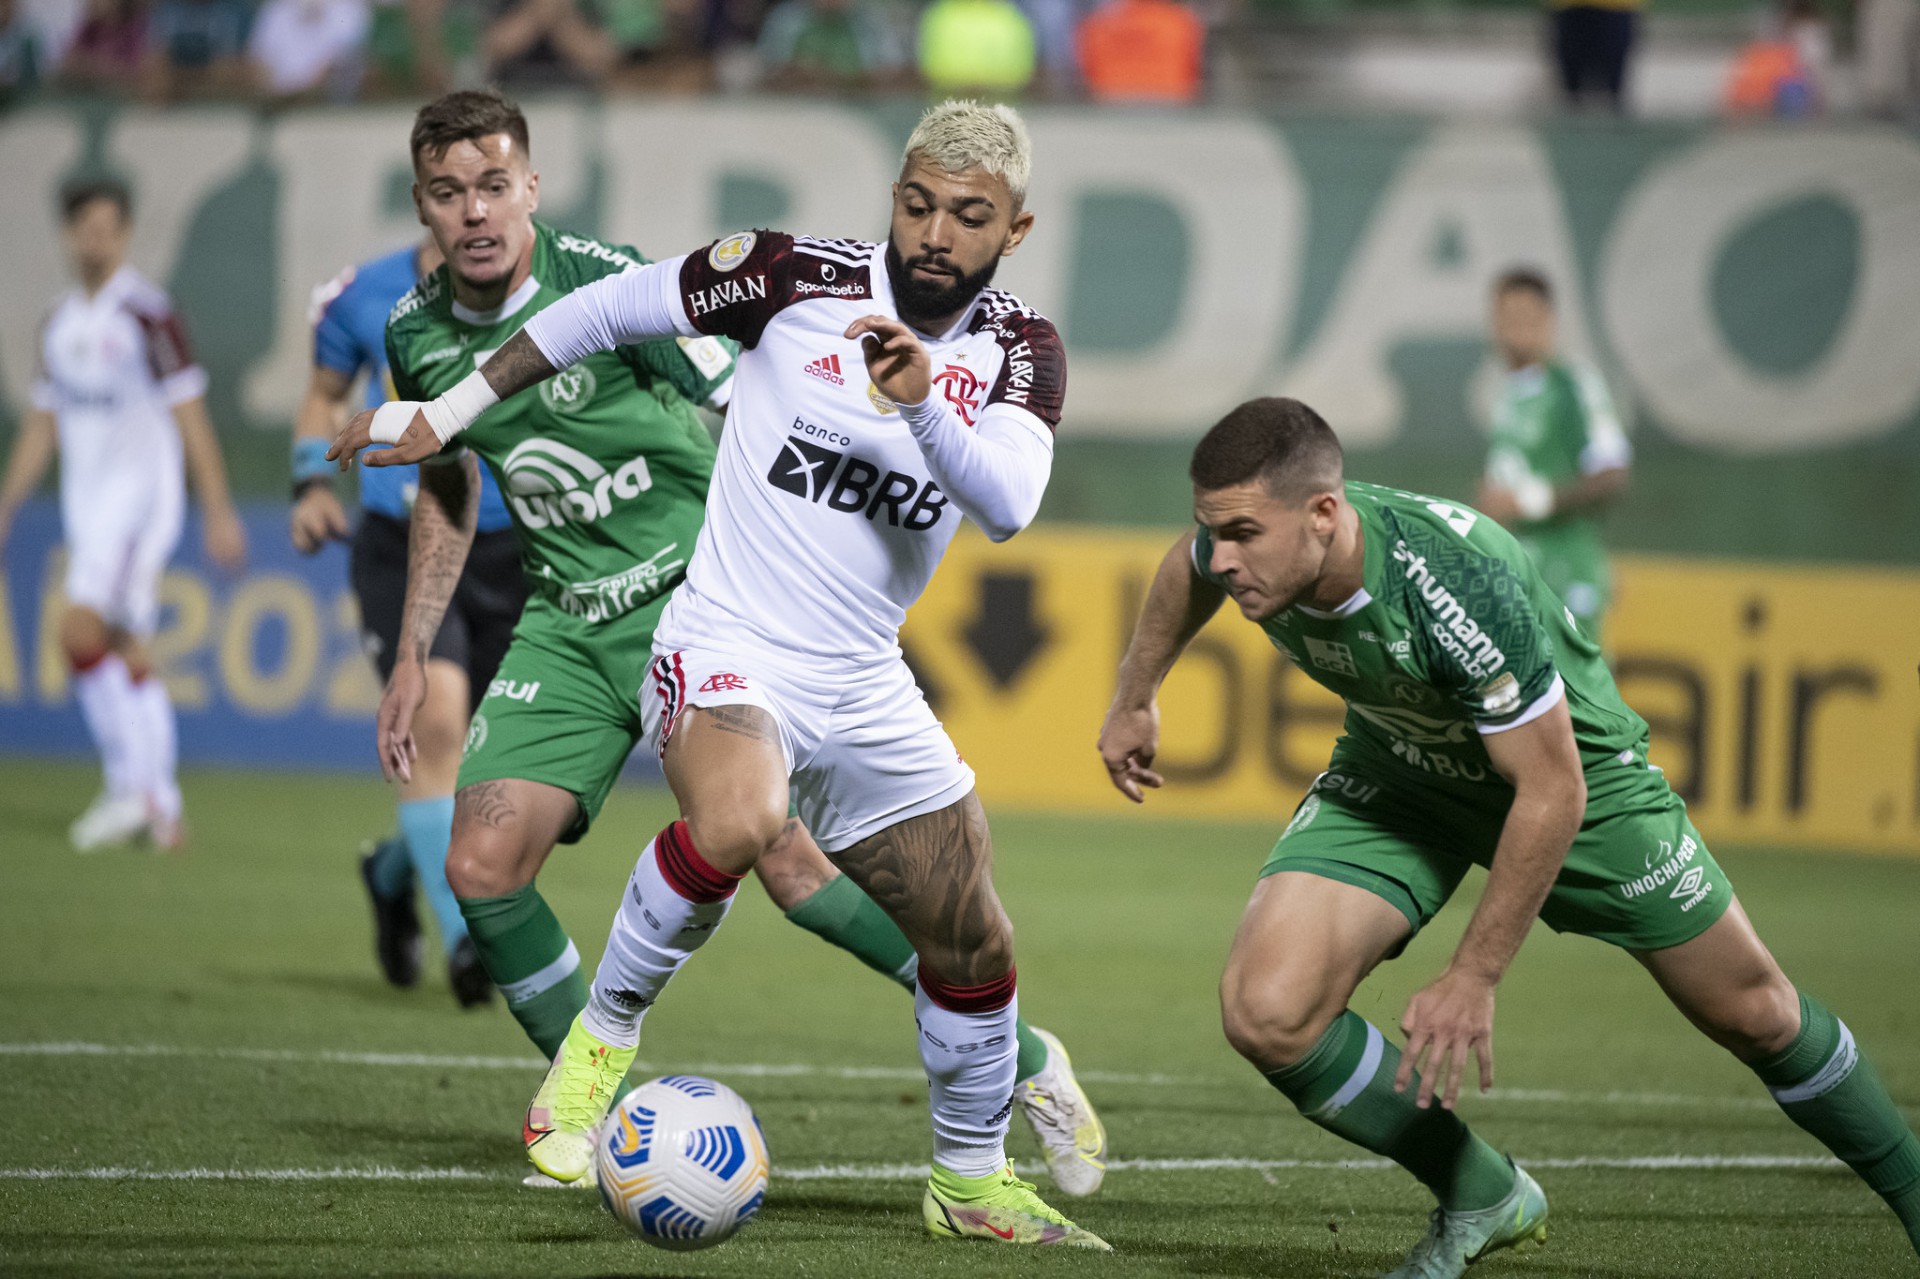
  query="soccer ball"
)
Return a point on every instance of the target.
[{"x": 682, "y": 1161}]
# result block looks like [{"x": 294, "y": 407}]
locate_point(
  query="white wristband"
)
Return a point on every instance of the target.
[
  {"x": 1533, "y": 497},
  {"x": 391, "y": 420},
  {"x": 459, "y": 406}
]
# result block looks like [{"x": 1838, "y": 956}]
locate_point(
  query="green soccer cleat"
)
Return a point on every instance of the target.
[
  {"x": 1455, "y": 1240},
  {"x": 575, "y": 1096},
  {"x": 998, "y": 1206},
  {"x": 1071, "y": 1136}
]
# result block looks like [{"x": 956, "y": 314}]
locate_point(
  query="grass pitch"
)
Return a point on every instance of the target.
[{"x": 205, "y": 1075}]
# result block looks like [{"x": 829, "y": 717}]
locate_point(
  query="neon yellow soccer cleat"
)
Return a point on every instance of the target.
[
  {"x": 999, "y": 1207},
  {"x": 1071, "y": 1136},
  {"x": 573, "y": 1099},
  {"x": 1455, "y": 1240}
]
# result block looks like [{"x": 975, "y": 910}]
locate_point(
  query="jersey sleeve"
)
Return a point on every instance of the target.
[
  {"x": 43, "y": 394},
  {"x": 334, "y": 344},
  {"x": 701, "y": 369},
  {"x": 1604, "y": 446},
  {"x": 169, "y": 354},
  {"x": 1485, "y": 644},
  {"x": 734, "y": 287},
  {"x": 1033, "y": 368}
]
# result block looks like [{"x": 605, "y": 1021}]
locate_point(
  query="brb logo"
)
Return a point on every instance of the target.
[
  {"x": 814, "y": 473},
  {"x": 552, "y": 484},
  {"x": 962, "y": 389}
]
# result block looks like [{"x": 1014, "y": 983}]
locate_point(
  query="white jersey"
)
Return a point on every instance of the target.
[
  {"x": 823, "y": 522},
  {"x": 112, "y": 367}
]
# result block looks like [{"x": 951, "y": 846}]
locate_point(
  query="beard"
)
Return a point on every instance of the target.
[{"x": 922, "y": 301}]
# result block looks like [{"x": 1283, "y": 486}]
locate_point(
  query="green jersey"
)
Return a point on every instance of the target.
[
  {"x": 1452, "y": 635},
  {"x": 1555, "y": 423},
  {"x": 604, "y": 466}
]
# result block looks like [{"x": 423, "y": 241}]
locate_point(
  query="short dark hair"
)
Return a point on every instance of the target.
[
  {"x": 1279, "y": 441},
  {"x": 466, "y": 115},
  {"x": 79, "y": 193},
  {"x": 1524, "y": 279}
]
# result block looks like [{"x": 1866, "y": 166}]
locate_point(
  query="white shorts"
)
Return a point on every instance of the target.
[
  {"x": 862, "y": 746},
  {"x": 116, "y": 555}
]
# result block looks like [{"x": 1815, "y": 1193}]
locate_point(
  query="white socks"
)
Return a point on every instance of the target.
[
  {"x": 133, "y": 727},
  {"x": 154, "y": 725},
  {"x": 969, "y": 1049},
  {"x": 673, "y": 903}
]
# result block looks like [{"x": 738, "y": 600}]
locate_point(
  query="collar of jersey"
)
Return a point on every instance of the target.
[
  {"x": 110, "y": 292},
  {"x": 1354, "y": 603},
  {"x": 515, "y": 303},
  {"x": 1526, "y": 381}
]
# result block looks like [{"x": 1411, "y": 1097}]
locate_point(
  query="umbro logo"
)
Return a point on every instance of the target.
[{"x": 827, "y": 369}]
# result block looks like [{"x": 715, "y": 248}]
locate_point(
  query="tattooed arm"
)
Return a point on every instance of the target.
[{"x": 441, "y": 532}]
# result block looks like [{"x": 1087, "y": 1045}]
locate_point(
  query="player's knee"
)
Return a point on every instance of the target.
[
  {"x": 794, "y": 869},
  {"x": 1762, "y": 1021},
  {"x": 733, "y": 837},
  {"x": 83, "y": 637},
  {"x": 439, "y": 732},
  {"x": 1266, "y": 1024},
  {"x": 481, "y": 867}
]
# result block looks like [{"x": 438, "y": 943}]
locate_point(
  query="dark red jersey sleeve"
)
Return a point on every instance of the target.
[
  {"x": 1033, "y": 373},
  {"x": 735, "y": 286}
]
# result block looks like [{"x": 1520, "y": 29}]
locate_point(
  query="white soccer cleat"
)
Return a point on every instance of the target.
[
  {"x": 1071, "y": 1136},
  {"x": 109, "y": 822}
]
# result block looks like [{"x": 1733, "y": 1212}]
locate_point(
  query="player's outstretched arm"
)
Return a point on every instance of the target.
[
  {"x": 33, "y": 450},
  {"x": 317, "y": 516},
  {"x": 438, "y": 537},
  {"x": 225, "y": 539},
  {"x": 1179, "y": 603},
  {"x": 1453, "y": 1016}
]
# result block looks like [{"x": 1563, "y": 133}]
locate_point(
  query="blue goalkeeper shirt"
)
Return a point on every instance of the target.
[{"x": 350, "y": 335}]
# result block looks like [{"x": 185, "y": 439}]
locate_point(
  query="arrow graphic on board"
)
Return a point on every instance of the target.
[{"x": 1004, "y": 635}]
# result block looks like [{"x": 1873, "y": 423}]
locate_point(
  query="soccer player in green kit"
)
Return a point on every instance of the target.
[
  {"x": 1482, "y": 727},
  {"x": 1558, "y": 457},
  {"x": 605, "y": 471}
]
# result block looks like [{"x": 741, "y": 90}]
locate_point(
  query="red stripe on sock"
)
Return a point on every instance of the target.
[
  {"x": 686, "y": 871},
  {"x": 988, "y": 997},
  {"x": 81, "y": 665}
]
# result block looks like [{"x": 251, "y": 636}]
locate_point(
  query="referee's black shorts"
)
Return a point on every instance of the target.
[{"x": 480, "y": 618}]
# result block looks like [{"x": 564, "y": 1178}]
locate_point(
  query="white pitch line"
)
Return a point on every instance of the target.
[
  {"x": 783, "y": 1070},
  {"x": 918, "y": 1172}
]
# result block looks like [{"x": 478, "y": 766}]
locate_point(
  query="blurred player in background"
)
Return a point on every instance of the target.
[
  {"x": 119, "y": 395},
  {"x": 1559, "y": 457},
  {"x": 606, "y": 469},
  {"x": 349, "y": 338},
  {"x": 840, "y": 483},
  {"x": 1482, "y": 727}
]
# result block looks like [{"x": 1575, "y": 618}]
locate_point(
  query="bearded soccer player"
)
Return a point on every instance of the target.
[
  {"x": 841, "y": 479},
  {"x": 349, "y": 338},
  {"x": 606, "y": 471},
  {"x": 121, "y": 397},
  {"x": 1559, "y": 458},
  {"x": 1482, "y": 727}
]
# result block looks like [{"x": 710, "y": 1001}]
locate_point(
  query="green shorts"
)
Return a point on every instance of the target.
[
  {"x": 1638, "y": 874},
  {"x": 564, "y": 707}
]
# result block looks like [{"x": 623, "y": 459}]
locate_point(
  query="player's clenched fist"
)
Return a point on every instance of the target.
[
  {"x": 399, "y": 423},
  {"x": 896, "y": 360},
  {"x": 1128, "y": 742}
]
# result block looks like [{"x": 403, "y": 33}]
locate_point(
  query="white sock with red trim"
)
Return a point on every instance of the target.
[
  {"x": 153, "y": 722},
  {"x": 105, "y": 693},
  {"x": 968, "y": 1046}
]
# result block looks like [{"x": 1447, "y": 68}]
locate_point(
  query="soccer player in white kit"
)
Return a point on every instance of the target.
[
  {"x": 883, "y": 392},
  {"x": 120, "y": 396}
]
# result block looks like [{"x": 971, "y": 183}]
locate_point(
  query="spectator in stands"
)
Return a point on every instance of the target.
[
  {"x": 310, "y": 48},
  {"x": 196, "y": 49},
  {"x": 110, "y": 47},
  {"x": 547, "y": 42},
  {"x": 984, "y": 46},
  {"x": 20, "y": 55},
  {"x": 1592, "y": 46},
  {"x": 1143, "y": 51},
  {"x": 1056, "y": 27},
  {"x": 827, "y": 46},
  {"x": 659, "y": 45},
  {"x": 1783, "y": 72}
]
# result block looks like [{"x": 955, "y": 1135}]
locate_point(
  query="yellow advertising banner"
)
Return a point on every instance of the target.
[{"x": 1783, "y": 700}]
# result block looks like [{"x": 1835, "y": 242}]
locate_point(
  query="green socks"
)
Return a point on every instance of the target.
[
  {"x": 1828, "y": 1087},
  {"x": 838, "y": 912},
  {"x": 531, "y": 960},
  {"x": 1345, "y": 1085}
]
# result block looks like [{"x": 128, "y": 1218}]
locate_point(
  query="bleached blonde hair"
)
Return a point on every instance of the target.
[{"x": 962, "y": 134}]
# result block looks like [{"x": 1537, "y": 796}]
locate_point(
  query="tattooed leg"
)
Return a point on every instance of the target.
[
  {"x": 725, "y": 767},
  {"x": 502, "y": 833},
  {"x": 934, "y": 875}
]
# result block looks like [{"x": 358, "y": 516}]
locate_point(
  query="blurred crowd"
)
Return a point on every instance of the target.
[
  {"x": 346, "y": 50},
  {"x": 1156, "y": 51}
]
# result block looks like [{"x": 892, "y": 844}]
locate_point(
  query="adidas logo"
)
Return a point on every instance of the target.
[{"x": 827, "y": 369}]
